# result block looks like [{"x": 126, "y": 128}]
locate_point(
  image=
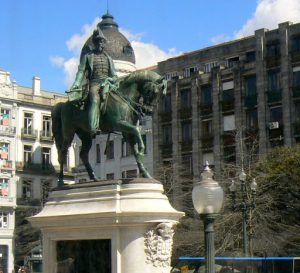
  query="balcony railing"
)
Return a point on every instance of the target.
[
  {"x": 7, "y": 130},
  {"x": 6, "y": 164},
  {"x": 46, "y": 136},
  {"x": 28, "y": 133},
  {"x": 35, "y": 167}
]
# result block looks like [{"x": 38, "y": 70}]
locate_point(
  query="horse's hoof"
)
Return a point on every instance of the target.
[{"x": 60, "y": 183}]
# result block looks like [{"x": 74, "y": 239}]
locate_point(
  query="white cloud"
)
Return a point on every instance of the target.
[
  {"x": 57, "y": 60},
  {"x": 146, "y": 54},
  {"x": 221, "y": 38},
  {"x": 269, "y": 13}
]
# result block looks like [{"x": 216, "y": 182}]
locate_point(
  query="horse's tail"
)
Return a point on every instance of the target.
[{"x": 57, "y": 125}]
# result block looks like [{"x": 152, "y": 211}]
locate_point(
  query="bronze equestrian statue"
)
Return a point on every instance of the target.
[{"x": 120, "y": 114}]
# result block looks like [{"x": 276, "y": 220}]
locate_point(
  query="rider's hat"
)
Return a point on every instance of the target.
[{"x": 98, "y": 35}]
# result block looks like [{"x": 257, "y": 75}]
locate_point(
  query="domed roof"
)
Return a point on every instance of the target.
[{"x": 117, "y": 45}]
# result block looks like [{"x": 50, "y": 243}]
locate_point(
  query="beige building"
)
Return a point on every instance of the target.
[{"x": 246, "y": 89}]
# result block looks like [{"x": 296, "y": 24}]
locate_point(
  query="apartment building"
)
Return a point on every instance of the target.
[{"x": 225, "y": 99}]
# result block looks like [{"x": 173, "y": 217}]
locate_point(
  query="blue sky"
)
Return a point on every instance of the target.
[{"x": 44, "y": 38}]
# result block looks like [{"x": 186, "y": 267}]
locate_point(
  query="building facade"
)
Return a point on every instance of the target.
[
  {"x": 228, "y": 101},
  {"x": 28, "y": 158}
]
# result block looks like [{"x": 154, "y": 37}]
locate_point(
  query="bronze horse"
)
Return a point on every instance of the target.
[{"x": 120, "y": 113}]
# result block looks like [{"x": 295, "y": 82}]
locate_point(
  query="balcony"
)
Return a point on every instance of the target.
[
  {"x": 28, "y": 133},
  {"x": 227, "y": 101},
  {"x": 6, "y": 164},
  {"x": 35, "y": 168},
  {"x": 274, "y": 96},
  {"x": 7, "y": 130},
  {"x": 46, "y": 136},
  {"x": 250, "y": 101},
  {"x": 185, "y": 113}
]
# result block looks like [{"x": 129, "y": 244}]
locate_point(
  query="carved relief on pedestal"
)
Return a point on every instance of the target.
[{"x": 158, "y": 244}]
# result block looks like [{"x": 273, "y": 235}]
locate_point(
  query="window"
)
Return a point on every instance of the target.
[
  {"x": 166, "y": 104},
  {"x": 251, "y": 119},
  {"x": 130, "y": 174},
  {"x": 233, "y": 61},
  {"x": 250, "y": 86},
  {"x": 274, "y": 81},
  {"x": 46, "y": 131},
  {"x": 189, "y": 71},
  {"x": 276, "y": 115},
  {"x": 4, "y": 117},
  {"x": 228, "y": 85},
  {"x": 4, "y": 150},
  {"x": 4, "y": 183},
  {"x": 98, "y": 153},
  {"x": 3, "y": 219},
  {"x": 27, "y": 154},
  {"x": 207, "y": 128},
  {"x": 209, "y": 66},
  {"x": 167, "y": 134},
  {"x": 296, "y": 76},
  {"x": 229, "y": 123},
  {"x": 110, "y": 150},
  {"x": 186, "y": 132},
  {"x": 27, "y": 188},
  {"x": 295, "y": 44},
  {"x": 46, "y": 158},
  {"x": 45, "y": 189},
  {"x": 187, "y": 165},
  {"x": 206, "y": 95},
  {"x": 185, "y": 98},
  {"x": 126, "y": 149},
  {"x": 273, "y": 50},
  {"x": 171, "y": 75},
  {"x": 110, "y": 176},
  {"x": 250, "y": 56},
  {"x": 28, "y": 123}
]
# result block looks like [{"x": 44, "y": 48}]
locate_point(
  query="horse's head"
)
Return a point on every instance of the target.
[{"x": 152, "y": 91}]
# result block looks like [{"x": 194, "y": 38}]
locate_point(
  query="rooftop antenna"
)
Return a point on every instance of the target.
[{"x": 107, "y": 8}]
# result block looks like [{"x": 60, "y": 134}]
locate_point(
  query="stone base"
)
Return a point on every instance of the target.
[{"x": 134, "y": 214}]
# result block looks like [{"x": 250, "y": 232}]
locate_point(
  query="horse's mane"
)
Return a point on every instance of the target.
[{"x": 140, "y": 76}]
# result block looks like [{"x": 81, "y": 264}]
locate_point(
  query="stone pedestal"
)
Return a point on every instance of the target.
[{"x": 134, "y": 215}]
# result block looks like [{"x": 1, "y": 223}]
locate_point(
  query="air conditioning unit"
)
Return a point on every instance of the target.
[{"x": 274, "y": 125}]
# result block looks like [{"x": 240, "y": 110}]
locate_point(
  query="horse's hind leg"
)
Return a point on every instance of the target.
[
  {"x": 62, "y": 157},
  {"x": 84, "y": 154}
]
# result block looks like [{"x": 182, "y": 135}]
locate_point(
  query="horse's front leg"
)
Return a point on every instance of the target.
[{"x": 134, "y": 137}]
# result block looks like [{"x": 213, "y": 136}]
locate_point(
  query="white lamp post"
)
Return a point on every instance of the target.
[{"x": 208, "y": 199}]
